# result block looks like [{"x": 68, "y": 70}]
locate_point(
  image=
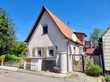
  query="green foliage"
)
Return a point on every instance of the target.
[
  {"x": 13, "y": 50},
  {"x": 7, "y": 34},
  {"x": 2, "y": 57},
  {"x": 107, "y": 78},
  {"x": 18, "y": 52},
  {"x": 13, "y": 58},
  {"x": 20, "y": 49},
  {"x": 93, "y": 70},
  {"x": 95, "y": 35}
]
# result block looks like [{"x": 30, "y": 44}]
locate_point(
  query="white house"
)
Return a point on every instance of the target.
[
  {"x": 52, "y": 43},
  {"x": 106, "y": 49}
]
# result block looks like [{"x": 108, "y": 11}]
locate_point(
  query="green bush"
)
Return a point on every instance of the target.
[
  {"x": 93, "y": 70},
  {"x": 107, "y": 78},
  {"x": 13, "y": 58}
]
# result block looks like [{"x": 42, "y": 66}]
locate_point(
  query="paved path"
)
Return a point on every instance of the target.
[{"x": 8, "y": 76}]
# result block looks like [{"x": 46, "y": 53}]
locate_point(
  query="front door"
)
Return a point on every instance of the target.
[{"x": 48, "y": 65}]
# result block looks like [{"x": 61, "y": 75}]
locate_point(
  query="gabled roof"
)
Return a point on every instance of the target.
[
  {"x": 106, "y": 31},
  {"x": 64, "y": 29}
]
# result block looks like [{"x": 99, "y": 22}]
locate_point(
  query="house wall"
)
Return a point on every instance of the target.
[
  {"x": 106, "y": 49},
  {"x": 36, "y": 64},
  {"x": 53, "y": 38},
  {"x": 74, "y": 50}
]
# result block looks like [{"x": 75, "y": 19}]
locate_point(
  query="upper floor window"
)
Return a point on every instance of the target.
[{"x": 45, "y": 29}]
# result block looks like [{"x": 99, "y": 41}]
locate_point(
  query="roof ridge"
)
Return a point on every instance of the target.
[
  {"x": 65, "y": 30},
  {"x": 56, "y": 17},
  {"x": 62, "y": 26}
]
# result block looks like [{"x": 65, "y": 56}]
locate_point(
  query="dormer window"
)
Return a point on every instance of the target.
[{"x": 45, "y": 29}]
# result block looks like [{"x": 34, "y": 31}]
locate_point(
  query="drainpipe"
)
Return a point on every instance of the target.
[
  {"x": 67, "y": 55},
  {"x": 102, "y": 55},
  {"x": 102, "y": 59}
]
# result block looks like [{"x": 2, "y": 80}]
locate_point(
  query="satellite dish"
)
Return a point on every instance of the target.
[
  {"x": 74, "y": 37},
  {"x": 77, "y": 58}
]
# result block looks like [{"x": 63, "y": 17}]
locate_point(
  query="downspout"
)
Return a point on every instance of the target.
[
  {"x": 102, "y": 59},
  {"x": 67, "y": 55},
  {"x": 101, "y": 55}
]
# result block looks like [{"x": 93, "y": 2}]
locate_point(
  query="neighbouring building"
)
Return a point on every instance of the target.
[
  {"x": 51, "y": 43},
  {"x": 94, "y": 55},
  {"x": 106, "y": 49}
]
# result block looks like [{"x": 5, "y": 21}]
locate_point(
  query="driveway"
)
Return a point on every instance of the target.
[{"x": 9, "y": 76}]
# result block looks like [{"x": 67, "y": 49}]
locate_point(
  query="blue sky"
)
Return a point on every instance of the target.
[{"x": 82, "y": 15}]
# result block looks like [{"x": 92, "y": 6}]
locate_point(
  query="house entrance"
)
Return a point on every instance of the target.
[{"x": 47, "y": 65}]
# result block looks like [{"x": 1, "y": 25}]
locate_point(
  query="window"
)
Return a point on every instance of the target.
[
  {"x": 51, "y": 52},
  {"x": 45, "y": 29},
  {"x": 39, "y": 52}
]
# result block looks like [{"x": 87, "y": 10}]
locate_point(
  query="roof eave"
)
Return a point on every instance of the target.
[{"x": 35, "y": 24}]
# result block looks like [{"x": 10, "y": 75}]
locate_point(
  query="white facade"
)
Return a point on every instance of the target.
[
  {"x": 53, "y": 40},
  {"x": 106, "y": 49}
]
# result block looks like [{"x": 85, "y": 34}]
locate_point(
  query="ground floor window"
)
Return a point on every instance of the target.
[
  {"x": 43, "y": 52},
  {"x": 39, "y": 51},
  {"x": 51, "y": 52}
]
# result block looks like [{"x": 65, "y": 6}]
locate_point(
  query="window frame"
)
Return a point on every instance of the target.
[
  {"x": 39, "y": 55},
  {"x": 51, "y": 54},
  {"x": 45, "y": 29},
  {"x": 49, "y": 49}
]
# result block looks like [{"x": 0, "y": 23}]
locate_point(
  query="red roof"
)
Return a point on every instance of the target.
[
  {"x": 80, "y": 36},
  {"x": 65, "y": 30}
]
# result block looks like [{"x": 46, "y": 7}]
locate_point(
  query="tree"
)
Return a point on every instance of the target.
[
  {"x": 95, "y": 35},
  {"x": 18, "y": 52},
  {"x": 20, "y": 49},
  {"x": 7, "y": 34}
]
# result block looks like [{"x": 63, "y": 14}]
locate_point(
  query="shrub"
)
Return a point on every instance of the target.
[
  {"x": 107, "y": 78},
  {"x": 13, "y": 57},
  {"x": 93, "y": 70}
]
